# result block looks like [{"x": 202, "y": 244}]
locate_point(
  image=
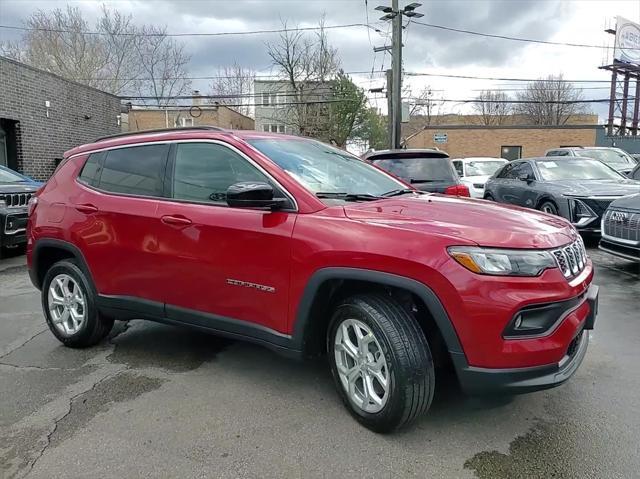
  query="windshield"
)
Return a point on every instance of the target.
[
  {"x": 613, "y": 158},
  {"x": 576, "y": 169},
  {"x": 418, "y": 170},
  {"x": 7, "y": 176},
  {"x": 324, "y": 169},
  {"x": 480, "y": 168}
]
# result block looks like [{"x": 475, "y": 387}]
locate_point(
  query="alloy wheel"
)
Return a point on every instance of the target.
[
  {"x": 66, "y": 303},
  {"x": 361, "y": 366}
]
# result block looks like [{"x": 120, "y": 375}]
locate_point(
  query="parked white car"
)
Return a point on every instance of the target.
[{"x": 474, "y": 172}]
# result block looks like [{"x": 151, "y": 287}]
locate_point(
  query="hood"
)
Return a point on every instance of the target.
[
  {"x": 17, "y": 188},
  {"x": 621, "y": 187},
  {"x": 483, "y": 222},
  {"x": 631, "y": 202},
  {"x": 480, "y": 179}
]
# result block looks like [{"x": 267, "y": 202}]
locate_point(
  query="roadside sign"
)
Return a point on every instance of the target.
[{"x": 439, "y": 137}]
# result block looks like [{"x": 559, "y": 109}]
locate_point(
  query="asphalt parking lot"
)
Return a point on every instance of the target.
[{"x": 157, "y": 401}]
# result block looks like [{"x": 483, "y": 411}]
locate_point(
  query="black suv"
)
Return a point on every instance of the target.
[{"x": 15, "y": 193}]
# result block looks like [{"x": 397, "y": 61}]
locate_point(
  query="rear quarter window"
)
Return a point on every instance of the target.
[{"x": 91, "y": 169}]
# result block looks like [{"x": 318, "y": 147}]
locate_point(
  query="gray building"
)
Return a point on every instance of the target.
[
  {"x": 42, "y": 115},
  {"x": 279, "y": 109}
]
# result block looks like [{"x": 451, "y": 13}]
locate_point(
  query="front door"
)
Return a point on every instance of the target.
[{"x": 228, "y": 263}]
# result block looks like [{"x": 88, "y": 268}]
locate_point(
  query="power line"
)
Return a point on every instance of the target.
[
  {"x": 528, "y": 102},
  {"x": 213, "y": 34},
  {"x": 515, "y": 39},
  {"x": 469, "y": 77}
]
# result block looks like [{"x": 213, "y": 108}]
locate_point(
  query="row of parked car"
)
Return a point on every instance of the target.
[{"x": 597, "y": 189}]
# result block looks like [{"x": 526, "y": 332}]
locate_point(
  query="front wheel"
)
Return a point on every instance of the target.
[
  {"x": 549, "y": 207},
  {"x": 380, "y": 361}
]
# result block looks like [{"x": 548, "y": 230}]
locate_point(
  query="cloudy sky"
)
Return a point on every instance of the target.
[{"x": 427, "y": 50}]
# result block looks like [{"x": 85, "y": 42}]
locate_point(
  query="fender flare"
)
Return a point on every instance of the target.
[
  {"x": 425, "y": 293},
  {"x": 70, "y": 248}
]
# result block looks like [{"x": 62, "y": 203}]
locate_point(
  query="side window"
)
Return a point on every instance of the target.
[
  {"x": 523, "y": 169},
  {"x": 137, "y": 170},
  {"x": 204, "y": 171},
  {"x": 552, "y": 153},
  {"x": 91, "y": 169},
  {"x": 562, "y": 153},
  {"x": 506, "y": 171},
  {"x": 458, "y": 166}
]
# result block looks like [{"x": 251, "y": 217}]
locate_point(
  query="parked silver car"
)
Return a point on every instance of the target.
[
  {"x": 579, "y": 189},
  {"x": 616, "y": 158}
]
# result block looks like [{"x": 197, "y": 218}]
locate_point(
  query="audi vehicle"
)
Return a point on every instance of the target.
[
  {"x": 425, "y": 169},
  {"x": 474, "y": 172},
  {"x": 579, "y": 189},
  {"x": 621, "y": 228},
  {"x": 303, "y": 248},
  {"x": 15, "y": 192},
  {"x": 616, "y": 158}
]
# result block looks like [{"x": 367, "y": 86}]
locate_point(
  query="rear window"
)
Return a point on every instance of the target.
[
  {"x": 91, "y": 169},
  {"x": 137, "y": 170},
  {"x": 418, "y": 169}
]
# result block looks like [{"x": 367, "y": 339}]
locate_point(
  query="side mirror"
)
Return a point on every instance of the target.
[
  {"x": 252, "y": 194},
  {"x": 525, "y": 177}
]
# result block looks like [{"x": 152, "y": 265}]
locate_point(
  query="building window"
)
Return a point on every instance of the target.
[
  {"x": 511, "y": 152},
  {"x": 273, "y": 128},
  {"x": 269, "y": 99},
  {"x": 186, "y": 121}
]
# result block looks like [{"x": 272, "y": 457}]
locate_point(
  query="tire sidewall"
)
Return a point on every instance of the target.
[
  {"x": 552, "y": 205},
  {"x": 86, "y": 330},
  {"x": 393, "y": 407}
]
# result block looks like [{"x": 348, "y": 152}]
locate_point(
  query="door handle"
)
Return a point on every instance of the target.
[
  {"x": 88, "y": 209},
  {"x": 175, "y": 220}
]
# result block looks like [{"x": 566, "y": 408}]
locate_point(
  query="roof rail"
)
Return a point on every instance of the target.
[{"x": 159, "y": 130}]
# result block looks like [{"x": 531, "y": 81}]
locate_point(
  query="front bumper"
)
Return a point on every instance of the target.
[
  {"x": 622, "y": 250},
  {"x": 476, "y": 380},
  {"x": 13, "y": 228}
]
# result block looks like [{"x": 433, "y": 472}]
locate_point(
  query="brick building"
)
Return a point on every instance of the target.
[
  {"x": 510, "y": 140},
  {"x": 42, "y": 115},
  {"x": 149, "y": 118}
]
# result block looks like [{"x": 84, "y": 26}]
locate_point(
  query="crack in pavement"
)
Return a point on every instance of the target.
[
  {"x": 61, "y": 418},
  {"x": 36, "y": 368},
  {"x": 23, "y": 344}
]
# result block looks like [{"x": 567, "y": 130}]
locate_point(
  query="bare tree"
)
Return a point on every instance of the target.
[
  {"x": 306, "y": 64},
  {"x": 163, "y": 63},
  {"x": 115, "y": 55},
  {"x": 550, "y": 101},
  {"x": 425, "y": 104},
  {"x": 234, "y": 85},
  {"x": 493, "y": 107}
]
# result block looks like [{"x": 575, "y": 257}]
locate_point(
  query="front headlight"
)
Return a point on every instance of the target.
[{"x": 502, "y": 262}]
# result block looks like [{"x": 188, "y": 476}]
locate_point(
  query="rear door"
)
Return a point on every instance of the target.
[{"x": 118, "y": 221}]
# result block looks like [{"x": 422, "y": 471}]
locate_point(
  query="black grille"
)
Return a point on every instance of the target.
[
  {"x": 571, "y": 259},
  {"x": 622, "y": 224},
  {"x": 15, "y": 200},
  {"x": 598, "y": 206}
]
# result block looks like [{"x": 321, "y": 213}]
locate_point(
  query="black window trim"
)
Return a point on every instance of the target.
[{"x": 87, "y": 153}]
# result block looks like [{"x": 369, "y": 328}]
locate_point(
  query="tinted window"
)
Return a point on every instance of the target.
[
  {"x": 136, "y": 171},
  {"x": 418, "y": 169},
  {"x": 507, "y": 171},
  {"x": 91, "y": 169},
  {"x": 204, "y": 171},
  {"x": 523, "y": 169},
  {"x": 576, "y": 169}
]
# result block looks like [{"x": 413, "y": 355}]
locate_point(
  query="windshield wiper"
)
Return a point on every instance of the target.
[
  {"x": 403, "y": 191},
  {"x": 347, "y": 196}
]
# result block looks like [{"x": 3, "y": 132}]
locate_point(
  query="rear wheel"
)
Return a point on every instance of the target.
[
  {"x": 69, "y": 306},
  {"x": 380, "y": 361},
  {"x": 549, "y": 207},
  {"x": 489, "y": 197}
]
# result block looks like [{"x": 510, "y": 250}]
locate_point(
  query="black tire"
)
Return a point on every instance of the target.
[
  {"x": 95, "y": 326},
  {"x": 408, "y": 358},
  {"x": 549, "y": 207},
  {"x": 489, "y": 197}
]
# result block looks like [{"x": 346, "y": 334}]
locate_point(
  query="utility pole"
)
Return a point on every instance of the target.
[
  {"x": 396, "y": 81},
  {"x": 394, "y": 87}
]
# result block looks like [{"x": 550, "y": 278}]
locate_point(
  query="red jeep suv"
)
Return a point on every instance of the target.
[{"x": 306, "y": 249}]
